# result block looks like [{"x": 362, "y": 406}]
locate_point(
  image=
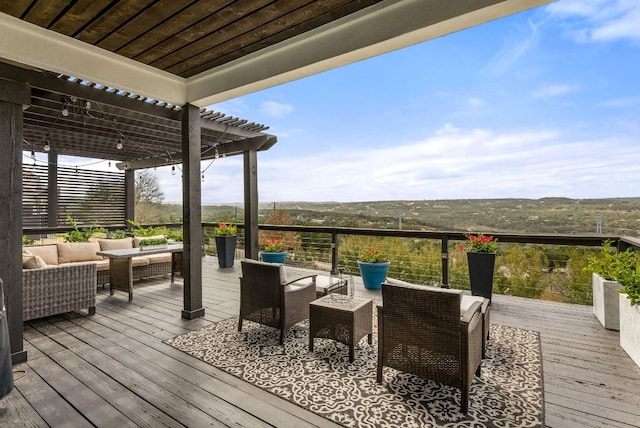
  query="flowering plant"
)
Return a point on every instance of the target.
[
  {"x": 273, "y": 246},
  {"x": 224, "y": 229},
  {"x": 373, "y": 255},
  {"x": 480, "y": 244}
]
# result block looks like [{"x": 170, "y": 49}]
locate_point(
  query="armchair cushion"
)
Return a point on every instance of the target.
[{"x": 281, "y": 270}]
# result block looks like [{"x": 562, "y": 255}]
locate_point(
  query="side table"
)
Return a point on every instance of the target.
[{"x": 347, "y": 322}]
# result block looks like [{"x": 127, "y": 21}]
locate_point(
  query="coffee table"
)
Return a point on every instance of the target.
[{"x": 347, "y": 322}]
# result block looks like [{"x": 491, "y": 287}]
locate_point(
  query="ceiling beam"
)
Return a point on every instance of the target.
[
  {"x": 261, "y": 143},
  {"x": 381, "y": 28},
  {"x": 28, "y": 44}
]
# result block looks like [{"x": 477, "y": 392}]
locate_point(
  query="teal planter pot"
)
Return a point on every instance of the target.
[
  {"x": 373, "y": 274},
  {"x": 273, "y": 257}
]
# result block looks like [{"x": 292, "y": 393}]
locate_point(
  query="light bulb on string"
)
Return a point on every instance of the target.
[
  {"x": 173, "y": 170},
  {"x": 65, "y": 112},
  {"x": 109, "y": 164},
  {"x": 119, "y": 144},
  {"x": 217, "y": 154},
  {"x": 87, "y": 105},
  {"x": 47, "y": 145},
  {"x": 33, "y": 155},
  {"x": 203, "y": 177}
]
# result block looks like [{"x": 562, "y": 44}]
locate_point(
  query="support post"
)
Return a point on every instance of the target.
[
  {"x": 129, "y": 196},
  {"x": 251, "y": 204},
  {"x": 445, "y": 263},
  {"x": 52, "y": 189},
  {"x": 13, "y": 95},
  {"x": 192, "y": 213},
  {"x": 334, "y": 252}
]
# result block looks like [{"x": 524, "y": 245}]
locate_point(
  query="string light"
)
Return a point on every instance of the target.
[
  {"x": 47, "y": 145},
  {"x": 216, "y": 155},
  {"x": 33, "y": 155},
  {"x": 109, "y": 164},
  {"x": 65, "y": 112},
  {"x": 203, "y": 177},
  {"x": 173, "y": 170},
  {"x": 119, "y": 144}
]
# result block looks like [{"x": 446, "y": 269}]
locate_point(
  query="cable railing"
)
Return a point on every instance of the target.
[{"x": 549, "y": 267}]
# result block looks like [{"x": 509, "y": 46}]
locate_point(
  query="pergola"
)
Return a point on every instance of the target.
[{"x": 148, "y": 67}]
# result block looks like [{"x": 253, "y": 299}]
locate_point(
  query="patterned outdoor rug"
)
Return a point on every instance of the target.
[{"x": 509, "y": 393}]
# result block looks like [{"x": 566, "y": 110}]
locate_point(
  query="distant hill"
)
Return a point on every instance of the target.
[
  {"x": 611, "y": 216},
  {"x": 615, "y": 216}
]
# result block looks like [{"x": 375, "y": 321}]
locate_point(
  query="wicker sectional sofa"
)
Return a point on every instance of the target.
[{"x": 63, "y": 277}]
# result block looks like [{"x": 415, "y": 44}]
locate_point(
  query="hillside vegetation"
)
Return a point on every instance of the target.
[{"x": 616, "y": 216}]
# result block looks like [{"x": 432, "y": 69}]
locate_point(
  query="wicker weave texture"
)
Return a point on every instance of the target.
[
  {"x": 58, "y": 289},
  {"x": 265, "y": 300},
  {"x": 420, "y": 331}
]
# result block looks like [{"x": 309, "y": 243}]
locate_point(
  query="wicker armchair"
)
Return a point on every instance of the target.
[
  {"x": 421, "y": 331},
  {"x": 267, "y": 297}
]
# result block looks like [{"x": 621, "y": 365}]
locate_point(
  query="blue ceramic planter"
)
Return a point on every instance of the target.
[
  {"x": 273, "y": 257},
  {"x": 373, "y": 274}
]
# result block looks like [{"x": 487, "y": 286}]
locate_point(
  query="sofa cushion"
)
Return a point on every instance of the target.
[
  {"x": 159, "y": 258},
  {"x": 137, "y": 239},
  {"x": 115, "y": 244},
  {"x": 78, "y": 252},
  {"x": 139, "y": 261},
  {"x": 48, "y": 253},
  {"x": 31, "y": 261},
  {"x": 102, "y": 265}
]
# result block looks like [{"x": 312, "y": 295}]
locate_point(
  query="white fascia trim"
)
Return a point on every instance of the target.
[
  {"x": 382, "y": 28},
  {"x": 28, "y": 44}
]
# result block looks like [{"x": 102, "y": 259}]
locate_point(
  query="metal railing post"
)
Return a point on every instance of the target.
[
  {"x": 334, "y": 251},
  {"x": 445, "y": 262}
]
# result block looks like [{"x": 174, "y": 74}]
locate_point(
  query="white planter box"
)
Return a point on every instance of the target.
[
  {"x": 630, "y": 328},
  {"x": 606, "y": 302}
]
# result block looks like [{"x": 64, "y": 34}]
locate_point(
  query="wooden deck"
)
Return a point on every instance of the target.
[{"x": 112, "y": 369}]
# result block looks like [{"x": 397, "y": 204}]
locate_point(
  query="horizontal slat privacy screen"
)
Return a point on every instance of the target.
[{"x": 92, "y": 198}]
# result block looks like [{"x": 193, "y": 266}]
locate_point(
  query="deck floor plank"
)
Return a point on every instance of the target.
[{"x": 113, "y": 369}]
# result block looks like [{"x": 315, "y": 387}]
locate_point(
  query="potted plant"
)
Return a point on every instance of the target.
[
  {"x": 373, "y": 265},
  {"x": 273, "y": 251},
  {"x": 153, "y": 243},
  {"x": 226, "y": 236},
  {"x": 605, "y": 268},
  {"x": 481, "y": 256},
  {"x": 629, "y": 304}
]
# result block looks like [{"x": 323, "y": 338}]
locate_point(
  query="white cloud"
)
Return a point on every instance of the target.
[
  {"x": 548, "y": 90},
  {"x": 598, "y": 20},
  {"x": 515, "y": 46},
  {"x": 451, "y": 164},
  {"x": 275, "y": 109},
  {"x": 475, "y": 102}
]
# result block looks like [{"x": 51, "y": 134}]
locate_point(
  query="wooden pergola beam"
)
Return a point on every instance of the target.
[{"x": 263, "y": 142}]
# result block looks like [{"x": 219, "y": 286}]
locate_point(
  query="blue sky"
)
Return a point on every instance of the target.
[{"x": 544, "y": 103}]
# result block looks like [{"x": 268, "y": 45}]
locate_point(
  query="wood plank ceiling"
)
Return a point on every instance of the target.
[{"x": 182, "y": 37}]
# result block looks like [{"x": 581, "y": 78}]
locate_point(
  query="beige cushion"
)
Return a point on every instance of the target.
[
  {"x": 467, "y": 301},
  {"x": 137, "y": 239},
  {"x": 283, "y": 273},
  {"x": 102, "y": 265},
  {"x": 159, "y": 258},
  {"x": 139, "y": 261},
  {"x": 48, "y": 253},
  {"x": 30, "y": 261},
  {"x": 78, "y": 252},
  {"x": 115, "y": 244}
]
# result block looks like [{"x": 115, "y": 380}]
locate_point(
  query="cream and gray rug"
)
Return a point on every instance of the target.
[{"x": 509, "y": 393}]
